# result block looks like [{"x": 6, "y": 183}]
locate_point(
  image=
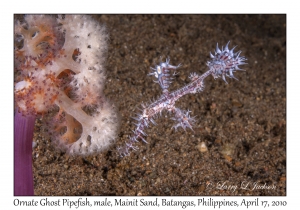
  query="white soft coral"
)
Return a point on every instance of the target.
[{"x": 61, "y": 63}]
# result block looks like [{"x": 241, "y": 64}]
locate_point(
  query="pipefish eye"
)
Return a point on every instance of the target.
[{"x": 158, "y": 70}]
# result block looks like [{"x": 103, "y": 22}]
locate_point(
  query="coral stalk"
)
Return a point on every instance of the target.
[{"x": 23, "y": 134}]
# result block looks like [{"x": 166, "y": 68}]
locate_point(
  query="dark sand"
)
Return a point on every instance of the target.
[{"x": 242, "y": 123}]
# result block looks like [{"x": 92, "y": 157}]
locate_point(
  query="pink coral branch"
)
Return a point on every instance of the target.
[{"x": 59, "y": 64}]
